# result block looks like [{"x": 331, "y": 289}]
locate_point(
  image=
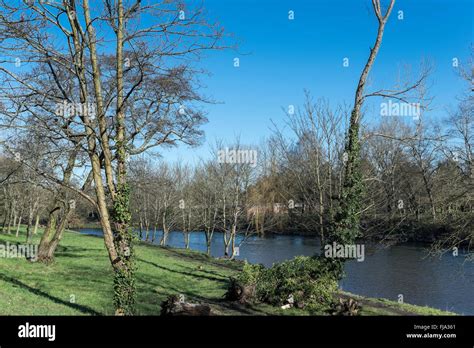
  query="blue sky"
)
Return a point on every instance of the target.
[{"x": 279, "y": 58}]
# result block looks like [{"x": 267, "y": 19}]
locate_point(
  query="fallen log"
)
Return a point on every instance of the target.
[{"x": 177, "y": 306}]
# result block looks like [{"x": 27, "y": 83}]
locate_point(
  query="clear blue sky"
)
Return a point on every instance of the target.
[{"x": 279, "y": 58}]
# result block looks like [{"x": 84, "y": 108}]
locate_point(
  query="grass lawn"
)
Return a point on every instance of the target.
[{"x": 80, "y": 282}]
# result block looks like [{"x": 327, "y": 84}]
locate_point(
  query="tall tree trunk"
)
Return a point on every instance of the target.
[
  {"x": 346, "y": 227},
  {"x": 124, "y": 279},
  {"x": 115, "y": 243},
  {"x": 79, "y": 55}
]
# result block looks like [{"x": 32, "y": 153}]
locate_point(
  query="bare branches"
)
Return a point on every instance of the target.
[
  {"x": 382, "y": 18},
  {"x": 359, "y": 95}
]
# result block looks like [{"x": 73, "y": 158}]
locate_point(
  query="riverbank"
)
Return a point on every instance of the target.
[
  {"x": 80, "y": 282},
  {"x": 426, "y": 233}
]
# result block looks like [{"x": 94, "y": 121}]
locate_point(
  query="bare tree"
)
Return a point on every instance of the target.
[{"x": 142, "y": 94}]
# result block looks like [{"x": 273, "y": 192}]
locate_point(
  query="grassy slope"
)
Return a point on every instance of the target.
[{"x": 82, "y": 272}]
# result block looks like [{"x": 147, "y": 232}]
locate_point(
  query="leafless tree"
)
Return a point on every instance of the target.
[{"x": 143, "y": 94}]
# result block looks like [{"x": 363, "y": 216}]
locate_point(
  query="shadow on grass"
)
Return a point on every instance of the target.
[
  {"x": 201, "y": 257},
  {"x": 220, "y": 303},
  {"x": 148, "y": 285},
  {"x": 70, "y": 248},
  {"x": 183, "y": 273},
  {"x": 83, "y": 309}
]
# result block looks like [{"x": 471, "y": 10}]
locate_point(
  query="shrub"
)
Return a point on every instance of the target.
[{"x": 310, "y": 281}]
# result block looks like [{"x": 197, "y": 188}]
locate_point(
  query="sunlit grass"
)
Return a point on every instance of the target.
[{"x": 79, "y": 282}]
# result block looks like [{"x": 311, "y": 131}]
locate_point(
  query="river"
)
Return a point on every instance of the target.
[{"x": 445, "y": 282}]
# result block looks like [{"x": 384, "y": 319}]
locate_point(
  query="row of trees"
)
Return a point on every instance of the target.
[
  {"x": 417, "y": 173},
  {"x": 417, "y": 176},
  {"x": 379, "y": 177},
  {"x": 22, "y": 200},
  {"x": 213, "y": 196},
  {"x": 418, "y": 179}
]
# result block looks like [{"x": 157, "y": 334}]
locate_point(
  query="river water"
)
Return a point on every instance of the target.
[{"x": 445, "y": 282}]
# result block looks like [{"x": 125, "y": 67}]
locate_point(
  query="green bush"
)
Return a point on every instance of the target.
[{"x": 309, "y": 280}]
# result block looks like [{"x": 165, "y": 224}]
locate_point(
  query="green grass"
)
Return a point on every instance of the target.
[
  {"x": 383, "y": 306},
  {"x": 79, "y": 282}
]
